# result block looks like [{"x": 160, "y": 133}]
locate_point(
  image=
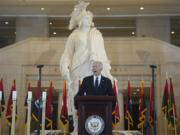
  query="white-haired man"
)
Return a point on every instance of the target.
[{"x": 96, "y": 84}]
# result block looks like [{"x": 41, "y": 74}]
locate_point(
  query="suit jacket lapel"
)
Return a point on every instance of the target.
[
  {"x": 102, "y": 81},
  {"x": 92, "y": 81}
]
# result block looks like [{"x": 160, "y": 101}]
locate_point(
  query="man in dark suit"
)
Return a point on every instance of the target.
[{"x": 96, "y": 84}]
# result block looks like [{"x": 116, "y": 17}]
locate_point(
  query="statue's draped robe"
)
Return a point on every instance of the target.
[
  {"x": 81, "y": 51},
  {"x": 82, "y": 48}
]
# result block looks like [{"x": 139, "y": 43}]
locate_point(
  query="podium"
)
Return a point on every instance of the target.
[{"x": 95, "y": 114}]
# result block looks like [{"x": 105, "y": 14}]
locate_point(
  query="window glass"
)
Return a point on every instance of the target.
[{"x": 175, "y": 31}]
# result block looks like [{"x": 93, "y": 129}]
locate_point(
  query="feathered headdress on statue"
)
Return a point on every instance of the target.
[{"x": 78, "y": 12}]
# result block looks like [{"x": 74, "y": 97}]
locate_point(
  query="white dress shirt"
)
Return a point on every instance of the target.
[{"x": 99, "y": 79}]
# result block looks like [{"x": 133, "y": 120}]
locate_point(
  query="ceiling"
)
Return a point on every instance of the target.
[
  {"x": 59, "y": 10},
  {"x": 62, "y": 8}
]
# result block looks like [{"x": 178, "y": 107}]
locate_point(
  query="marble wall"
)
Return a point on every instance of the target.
[{"x": 130, "y": 58}]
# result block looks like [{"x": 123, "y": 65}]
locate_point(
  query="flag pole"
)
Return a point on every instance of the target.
[
  {"x": 175, "y": 127},
  {"x": 29, "y": 112},
  {"x": 14, "y": 113},
  {"x": 1, "y": 113},
  {"x": 174, "y": 117},
  {"x": 173, "y": 107},
  {"x": 51, "y": 130},
  {"x": 9, "y": 130},
  {"x": 128, "y": 125},
  {"x": 165, "y": 125},
  {"x": 39, "y": 108},
  {"x": 174, "y": 121},
  {"x": 52, "y": 122},
  {"x": 43, "y": 112},
  {"x": 64, "y": 132},
  {"x": 153, "y": 82}
]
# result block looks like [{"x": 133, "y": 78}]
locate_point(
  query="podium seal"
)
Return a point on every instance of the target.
[{"x": 94, "y": 125}]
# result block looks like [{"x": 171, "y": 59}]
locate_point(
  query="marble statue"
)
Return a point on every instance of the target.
[{"x": 84, "y": 45}]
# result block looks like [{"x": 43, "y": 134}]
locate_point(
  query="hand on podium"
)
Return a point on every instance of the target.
[{"x": 71, "y": 123}]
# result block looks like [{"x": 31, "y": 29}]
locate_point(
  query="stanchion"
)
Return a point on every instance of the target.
[
  {"x": 43, "y": 112},
  {"x": 14, "y": 113},
  {"x": 39, "y": 98},
  {"x": 29, "y": 112}
]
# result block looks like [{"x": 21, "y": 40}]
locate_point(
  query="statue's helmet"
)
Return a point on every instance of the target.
[{"x": 80, "y": 13}]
